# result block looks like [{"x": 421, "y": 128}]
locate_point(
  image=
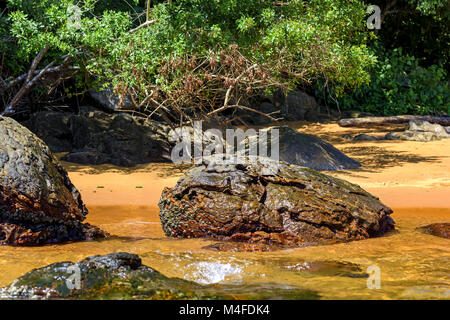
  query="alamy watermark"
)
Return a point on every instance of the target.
[
  {"x": 74, "y": 20},
  {"x": 374, "y": 279},
  {"x": 74, "y": 281},
  {"x": 374, "y": 21},
  {"x": 239, "y": 146}
]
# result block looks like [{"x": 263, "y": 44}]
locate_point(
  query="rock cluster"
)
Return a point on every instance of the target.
[
  {"x": 420, "y": 131},
  {"x": 95, "y": 137}
]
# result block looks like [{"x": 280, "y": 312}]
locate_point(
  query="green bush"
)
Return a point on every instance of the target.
[
  {"x": 193, "y": 41},
  {"x": 399, "y": 85}
]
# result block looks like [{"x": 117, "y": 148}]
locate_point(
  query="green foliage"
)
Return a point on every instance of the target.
[
  {"x": 196, "y": 50},
  {"x": 293, "y": 41},
  {"x": 420, "y": 27},
  {"x": 399, "y": 85}
]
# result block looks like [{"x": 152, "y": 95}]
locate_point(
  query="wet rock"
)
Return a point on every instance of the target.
[
  {"x": 233, "y": 246},
  {"x": 325, "y": 268},
  {"x": 38, "y": 203},
  {"x": 95, "y": 137},
  {"x": 294, "y": 206},
  {"x": 310, "y": 151},
  {"x": 123, "y": 276},
  {"x": 437, "y": 229},
  {"x": 420, "y": 131}
]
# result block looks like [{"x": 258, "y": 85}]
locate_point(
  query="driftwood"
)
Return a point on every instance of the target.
[{"x": 379, "y": 121}]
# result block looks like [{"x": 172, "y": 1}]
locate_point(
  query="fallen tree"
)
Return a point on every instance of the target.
[{"x": 379, "y": 121}]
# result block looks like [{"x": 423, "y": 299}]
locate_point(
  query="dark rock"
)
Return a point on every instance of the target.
[
  {"x": 437, "y": 229},
  {"x": 96, "y": 137},
  {"x": 38, "y": 203},
  {"x": 310, "y": 151},
  {"x": 123, "y": 276},
  {"x": 296, "y": 206},
  {"x": 420, "y": 131},
  {"x": 365, "y": 137},
  {"x": 110, "y": 101},
  {"x": 266, "y": 108},
  {"x": 53, "y": 128},
  {"x": 297, "y": 105}
]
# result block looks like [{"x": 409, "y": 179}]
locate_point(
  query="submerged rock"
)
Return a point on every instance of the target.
[
  {"x": 437, "y": 229},
  {"x": 296, "y": 206},
  {"x": 123, "y": 276},
  {"x": 233, "y": 246},
  {"x": 324, "y": 268},
  {"x": 38, "y": 202}
]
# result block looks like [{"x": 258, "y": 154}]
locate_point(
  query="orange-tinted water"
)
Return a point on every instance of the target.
[
  {"x": 413, "y": 265},
  {"x": 411, "y": 177}
]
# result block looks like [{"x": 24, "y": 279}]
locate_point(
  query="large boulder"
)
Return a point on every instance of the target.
[
  {"x": 296, "y": 206},
  {"x": 38, "y": 203},
  {"x": 310, "y": 151},
  {"x": 297, "y": 105},
  {"x": 95, "y": 137},
  {"x": 123, "y": 276}
]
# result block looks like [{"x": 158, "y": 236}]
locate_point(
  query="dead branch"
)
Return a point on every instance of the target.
[
  {"x": 145, "y": 24},
  {"x": 32, "y": 77},
  {"x": 243, "y": 108}
]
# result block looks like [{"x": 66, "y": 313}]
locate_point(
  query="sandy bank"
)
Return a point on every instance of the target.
[{"x": 400, "y": 173}]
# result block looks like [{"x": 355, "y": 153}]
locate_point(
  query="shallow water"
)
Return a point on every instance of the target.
[{"x": 413, "y": 265}]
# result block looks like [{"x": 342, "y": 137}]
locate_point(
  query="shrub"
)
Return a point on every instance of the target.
[
  {"x": 289, "y": 42},
  {"x": 399, "y": 85}
]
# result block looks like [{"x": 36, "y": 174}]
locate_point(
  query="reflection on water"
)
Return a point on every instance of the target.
[{"x": 413, "y": 265}]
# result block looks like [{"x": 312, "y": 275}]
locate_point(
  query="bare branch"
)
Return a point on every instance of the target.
[{"x": 145, "y": 24}]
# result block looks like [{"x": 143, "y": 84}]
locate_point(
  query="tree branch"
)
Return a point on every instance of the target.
[{"x": 145, "y": 24}]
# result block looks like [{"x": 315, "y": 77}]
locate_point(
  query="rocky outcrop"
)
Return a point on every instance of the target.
[
  {"x": 123, "y": 276},
  {"x": 38, "y": 203},
  {"x": 310, "y": 151},
  {"x": 437, "y": 229},
  {"x": 420, "y": 131},
  {"x": 95, "y": 137},
  {"x": 294, "y": 207}
]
